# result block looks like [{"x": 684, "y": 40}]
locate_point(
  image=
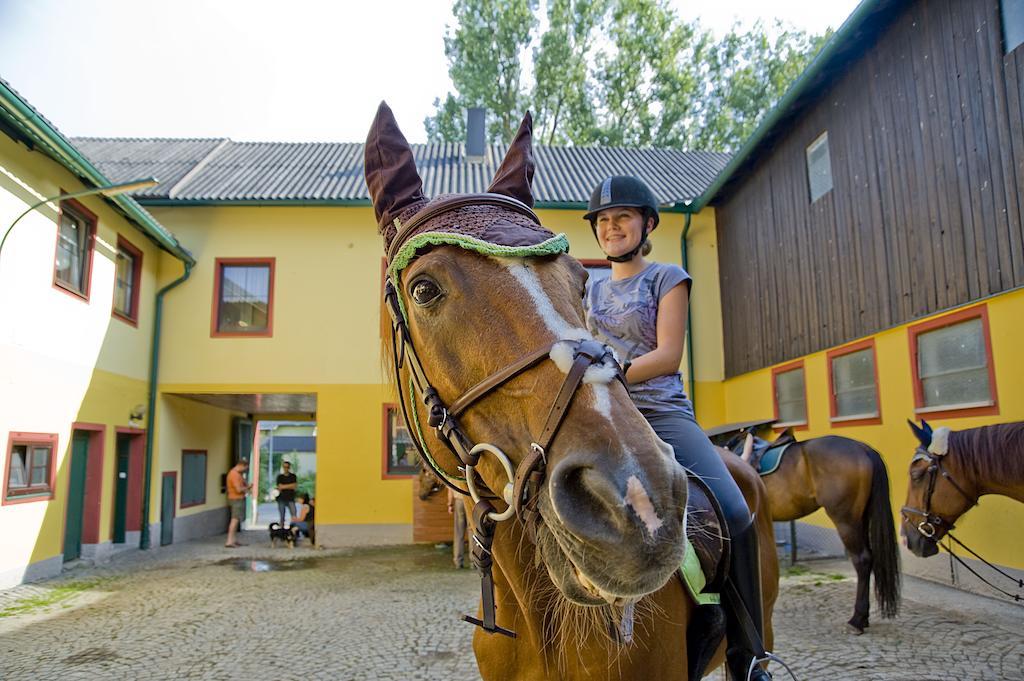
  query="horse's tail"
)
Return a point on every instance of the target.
[{"x": 881, "y": 535}]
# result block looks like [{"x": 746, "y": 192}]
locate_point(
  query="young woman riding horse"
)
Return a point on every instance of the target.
[
  {"x": 579, "y": 510},
  {"x": 640, "y": 311}
]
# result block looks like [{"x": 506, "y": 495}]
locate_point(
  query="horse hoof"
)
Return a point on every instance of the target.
[{"x": 854, "y": 629}]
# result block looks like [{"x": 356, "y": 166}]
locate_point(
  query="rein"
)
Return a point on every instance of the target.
[
  {"x": 932, "y": 526},
  {"x": 521, "y": 492}
]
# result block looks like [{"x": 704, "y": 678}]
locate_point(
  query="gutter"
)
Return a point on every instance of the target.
[
  {"x": 154, "y": 371},
  {"x": 840, "y": 39},
  {"x": 28, "y": 120},
  {"x": 684, "y": 256}
]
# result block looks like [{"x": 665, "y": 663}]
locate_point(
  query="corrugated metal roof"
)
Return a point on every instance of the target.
[{"x": 212, "y": 170}]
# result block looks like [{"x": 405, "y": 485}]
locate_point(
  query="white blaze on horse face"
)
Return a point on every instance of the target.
[
  {"x": 597, "y": 376},
  {"x": 636, "y": 497}
]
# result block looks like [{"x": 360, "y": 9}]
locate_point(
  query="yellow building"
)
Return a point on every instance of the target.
[
  {"x": 827, "y": 246},
  {"x": 77, "y": 284}
]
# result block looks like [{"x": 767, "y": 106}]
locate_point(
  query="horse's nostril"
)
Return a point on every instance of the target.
[{"x": 588, "y": 503}]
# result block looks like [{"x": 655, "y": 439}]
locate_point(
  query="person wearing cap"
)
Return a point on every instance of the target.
[{"x": 640, "y": 311}]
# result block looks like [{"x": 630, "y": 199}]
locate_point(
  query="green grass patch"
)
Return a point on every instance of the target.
[
  {"x": 53, "y": 596},
  {"x": 797, "y": 570}
]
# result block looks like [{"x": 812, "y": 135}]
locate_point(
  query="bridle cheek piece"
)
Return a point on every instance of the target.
[
  {"x": 932, "y": 525},
  {"x": 522, "y": 490}
]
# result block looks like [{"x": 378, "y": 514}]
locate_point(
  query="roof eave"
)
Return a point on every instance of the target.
[{"x": 24, "y": 117}]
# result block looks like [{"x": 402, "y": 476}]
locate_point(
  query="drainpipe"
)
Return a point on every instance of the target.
[
  {"x": 154, "y": 369},
  {"x": 684, "y": 257}
]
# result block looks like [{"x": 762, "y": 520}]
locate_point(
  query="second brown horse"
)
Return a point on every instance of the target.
[{"x": 849, "y": 480}]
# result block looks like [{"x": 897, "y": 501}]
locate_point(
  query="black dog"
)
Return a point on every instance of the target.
[{"x": 279, "y": 534}]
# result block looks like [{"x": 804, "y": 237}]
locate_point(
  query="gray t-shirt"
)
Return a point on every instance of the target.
[{"x": 624, "y": 314}]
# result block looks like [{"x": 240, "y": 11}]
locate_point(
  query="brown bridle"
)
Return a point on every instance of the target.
[
  {"x": 932, "y": 526},
  {"x": 521, "y": 492}
]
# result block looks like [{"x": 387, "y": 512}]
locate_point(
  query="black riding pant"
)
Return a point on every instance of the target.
[{"x": 694, "y": 451}]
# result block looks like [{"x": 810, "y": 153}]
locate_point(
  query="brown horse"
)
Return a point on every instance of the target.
[
  {"x": 427, "y": 484},
  {"x": 951, "y": 470},
  {"x": 489, "y": 339},
  {"x": 849, "y": 480}
]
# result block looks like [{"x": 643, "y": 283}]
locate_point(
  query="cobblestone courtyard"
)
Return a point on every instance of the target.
[{"x": 197, "y": 611}]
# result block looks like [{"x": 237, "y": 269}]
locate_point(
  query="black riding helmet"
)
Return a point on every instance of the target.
[{"x": 623, "y": 191}]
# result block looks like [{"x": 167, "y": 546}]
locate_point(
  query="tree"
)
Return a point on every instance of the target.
[
  {"x": 485, "y": 67},
  {"x": 616, "y": 72},
  {"x": 563, "y": 110},
  {"x": 751, "y": 73}
]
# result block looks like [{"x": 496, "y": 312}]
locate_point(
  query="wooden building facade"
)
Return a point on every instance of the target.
[{"x": 922, "y": 118}]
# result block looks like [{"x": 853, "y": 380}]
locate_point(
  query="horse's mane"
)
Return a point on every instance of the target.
[{"x": 991, "y": 452}]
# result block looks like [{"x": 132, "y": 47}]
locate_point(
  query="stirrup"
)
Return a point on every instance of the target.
[{"x": 768, "y": 657}]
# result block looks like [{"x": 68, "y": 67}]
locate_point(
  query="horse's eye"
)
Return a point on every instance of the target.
[{"x": 424, "y": 291}]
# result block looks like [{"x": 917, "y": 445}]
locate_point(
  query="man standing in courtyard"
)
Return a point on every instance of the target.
[
  {"x": 237, "y": 489},
  {"x": 286, "y": 484}
]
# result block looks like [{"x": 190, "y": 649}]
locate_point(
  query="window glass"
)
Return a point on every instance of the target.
[
  {"x": 244, "y": 298},
  {"x": 40, "y": 467},
  {"x": 72, "y": 250},
  {"x": 402, "y": 456},
  {"x": 789, "y": 395},
  {"x": 1013, "y": 24},
  {"x": 853, "y": 383},
  {"x": 19, "y": 468},
  {"x": 819, "y": 168},
  {"x": 124, "y": 282},
  {"x": 953, "y": 366}
]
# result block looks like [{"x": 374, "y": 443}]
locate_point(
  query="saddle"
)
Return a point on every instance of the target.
[{"x": 766, "y": 456}]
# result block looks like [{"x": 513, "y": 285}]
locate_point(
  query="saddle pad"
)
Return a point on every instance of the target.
[
  {"x": 706, "y": 555},
  {"x": 771, "y": 459},
  {"x": 693, "y": 578}
]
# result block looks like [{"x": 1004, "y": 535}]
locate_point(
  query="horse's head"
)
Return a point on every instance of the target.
[
  {"x": 935, "y": 500},
  {"x": 482, "y": 285},
  {"x": 427, "y": 484}
]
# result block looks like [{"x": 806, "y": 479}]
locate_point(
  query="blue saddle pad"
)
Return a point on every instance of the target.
[{"x": 770, "y": 460}]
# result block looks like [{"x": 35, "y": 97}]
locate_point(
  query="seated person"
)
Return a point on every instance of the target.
[{"x": 303, "y": 522}]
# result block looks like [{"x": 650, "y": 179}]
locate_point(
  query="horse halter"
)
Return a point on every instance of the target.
[
  {"x": 933, "y": 526},
  {"x": 522, "y": 490}
]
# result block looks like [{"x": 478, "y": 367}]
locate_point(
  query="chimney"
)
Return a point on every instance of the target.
[{"x": 476, "y": 134}]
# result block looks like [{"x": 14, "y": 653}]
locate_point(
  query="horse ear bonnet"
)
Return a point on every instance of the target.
[
  {"x": 514, "y": 176},
  {"x": 391, "y": 176},
  {"x": 500, "y": 222}
]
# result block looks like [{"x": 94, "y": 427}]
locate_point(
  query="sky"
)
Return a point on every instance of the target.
[{"x": 306, "y": 70}]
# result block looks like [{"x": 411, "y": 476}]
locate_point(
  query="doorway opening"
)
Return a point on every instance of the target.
[{"x": 281, "y": 442}]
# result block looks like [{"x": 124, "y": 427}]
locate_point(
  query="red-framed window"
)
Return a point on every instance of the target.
[
  {"x": 853, "y": 385},
  {"x": 952, "y": 363},
  {"x": 30, "y": 470},
  {"x": 789, "y": 395},
  {"x": 127, "y": 280},
  {"x": 399, "y": 457},
  {"x": 243, "y": 297},
  {"x": 72, "y": 261},
  {"x": 193, "y": 477}
]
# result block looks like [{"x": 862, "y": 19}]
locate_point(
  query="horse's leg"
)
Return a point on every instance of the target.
[{"x": 852, "y": 535}]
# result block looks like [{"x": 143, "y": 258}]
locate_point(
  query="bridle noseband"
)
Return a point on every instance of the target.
[
  {"x": 521, "y": 492},
  {"x": 932, "y": 526}
]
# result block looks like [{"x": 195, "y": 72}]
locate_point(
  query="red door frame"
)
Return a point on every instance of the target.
[
  {"x": 92, "y": 503},
  {"x": 133, "y": 504}
]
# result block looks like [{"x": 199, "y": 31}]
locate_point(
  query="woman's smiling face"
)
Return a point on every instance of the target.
[{"x": 619, "y": 230}]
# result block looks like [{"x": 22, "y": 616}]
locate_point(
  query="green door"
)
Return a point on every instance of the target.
[
  {"x": 121, "y": 488},
  {"x": 76, "y": 496},
  {"x": 167, "y": 509}
]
